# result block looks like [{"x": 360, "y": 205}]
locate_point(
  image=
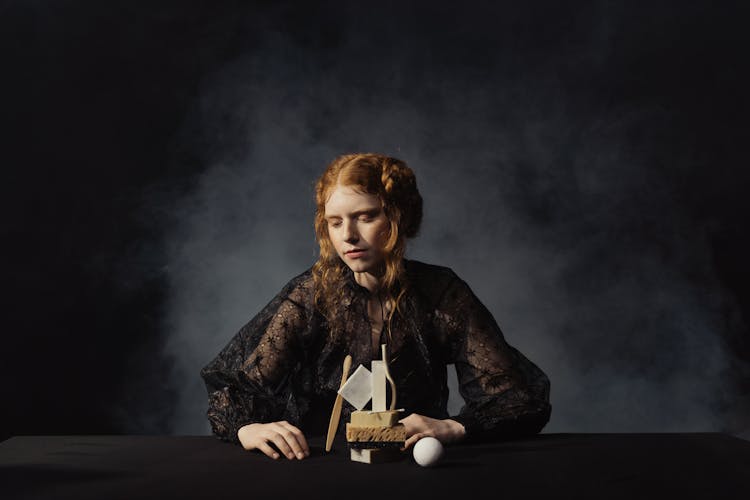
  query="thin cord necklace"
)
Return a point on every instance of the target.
[{"x": 382, "y": 313}]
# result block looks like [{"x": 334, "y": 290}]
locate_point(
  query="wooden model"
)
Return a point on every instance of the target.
[{"x": 372, "y": 435}]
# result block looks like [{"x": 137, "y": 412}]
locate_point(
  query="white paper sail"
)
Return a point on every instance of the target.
[{"x": 358, "y": 388}]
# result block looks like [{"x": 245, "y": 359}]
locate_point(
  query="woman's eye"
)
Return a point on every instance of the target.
[{"x": 334, "y": 224}]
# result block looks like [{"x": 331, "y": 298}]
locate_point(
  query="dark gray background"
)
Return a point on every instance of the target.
[{"x": 583, "y": 164}]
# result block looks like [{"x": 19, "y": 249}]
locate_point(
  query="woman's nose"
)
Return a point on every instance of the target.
[{"x": 350, "y": 233}]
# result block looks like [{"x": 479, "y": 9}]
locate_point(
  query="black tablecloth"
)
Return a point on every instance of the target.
[{"x": 607, "y": 466}]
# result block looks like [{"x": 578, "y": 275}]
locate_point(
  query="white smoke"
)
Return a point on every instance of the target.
[{"x": 554, "y": 215}]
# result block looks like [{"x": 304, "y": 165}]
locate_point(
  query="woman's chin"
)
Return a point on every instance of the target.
[
  {"x": 358, "y": 267},
  {"x": 361, "y": 265}
]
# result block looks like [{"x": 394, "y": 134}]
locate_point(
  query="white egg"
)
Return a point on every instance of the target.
[{"x": 428, "y": 451}]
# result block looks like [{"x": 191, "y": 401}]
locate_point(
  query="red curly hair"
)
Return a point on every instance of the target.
[{"x": 396, "y": 186}]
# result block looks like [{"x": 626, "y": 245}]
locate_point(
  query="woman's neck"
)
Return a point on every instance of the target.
[{"x": 368, "y": 280}]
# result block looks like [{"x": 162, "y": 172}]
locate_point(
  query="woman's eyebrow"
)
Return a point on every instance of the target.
[
  {"x": 363, "y": 211},
  {"x": 366, "y": 211}
]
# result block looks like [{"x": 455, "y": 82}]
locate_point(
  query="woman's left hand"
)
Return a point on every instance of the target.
[{"x": 418, "y": 426}]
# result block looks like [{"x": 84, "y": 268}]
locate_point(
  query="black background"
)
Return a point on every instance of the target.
[{"x": 95, "y": 96}]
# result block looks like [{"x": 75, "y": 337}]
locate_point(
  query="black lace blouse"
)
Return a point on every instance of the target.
[{"x": 283, "y": 365}]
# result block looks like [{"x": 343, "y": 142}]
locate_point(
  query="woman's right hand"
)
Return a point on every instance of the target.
[{"x": 288, "y": 439}]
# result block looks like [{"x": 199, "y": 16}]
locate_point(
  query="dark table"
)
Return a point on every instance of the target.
[{"x": 602, "y": 466}]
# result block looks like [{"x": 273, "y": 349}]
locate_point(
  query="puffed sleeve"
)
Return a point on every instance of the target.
[
  {"x": 505, "y": 394},
  {"x": 249, "y": 380}
]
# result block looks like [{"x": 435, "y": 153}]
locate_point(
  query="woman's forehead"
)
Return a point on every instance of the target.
[{"x": 347, "y": 199}]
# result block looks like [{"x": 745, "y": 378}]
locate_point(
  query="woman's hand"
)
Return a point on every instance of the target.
[
  {"x": 288, "y": 439},
  {"x": 418, "y": 426}
]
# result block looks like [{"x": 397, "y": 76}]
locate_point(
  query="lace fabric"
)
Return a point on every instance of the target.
[{"x": 284, "y": 365}]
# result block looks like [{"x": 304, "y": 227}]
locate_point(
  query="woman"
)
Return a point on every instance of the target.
[{"x": 275, "y": 382}]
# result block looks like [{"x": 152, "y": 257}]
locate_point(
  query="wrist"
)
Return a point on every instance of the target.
[
  {"x": 243, "y": 430},
  {"x": 457, "y": 430}
]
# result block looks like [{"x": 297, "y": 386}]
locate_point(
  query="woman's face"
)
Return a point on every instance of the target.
[{"x": 357, "y": 227}]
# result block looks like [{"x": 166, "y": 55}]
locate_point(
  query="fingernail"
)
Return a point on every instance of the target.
[
  {"x": 291, "y": 455},
  {"x": 300, "y": 455},
  {"x": 275, "y": 455}
]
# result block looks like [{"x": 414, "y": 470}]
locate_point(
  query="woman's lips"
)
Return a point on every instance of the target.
[{"x": 356, "y": 254}]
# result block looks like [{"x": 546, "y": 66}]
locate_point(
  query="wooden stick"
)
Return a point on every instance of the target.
[
  {"x": 333, "y": 424},
  {"x": 388, "y": 376}
]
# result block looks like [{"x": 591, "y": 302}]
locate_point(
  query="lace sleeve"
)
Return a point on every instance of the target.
[
  {"x": 249, "y": 379},
  {"x": 506, "y": 395}
]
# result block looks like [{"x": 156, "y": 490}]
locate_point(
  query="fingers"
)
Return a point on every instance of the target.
[
  {"x": 282, "y": 445},
  {"x": 411, "y": 423},
  {"x": 413, "y": 439},
  {"x": 268, "y": 450},
  {"x": 416, "y": 423},
  {"x": 295, "y": 439},
  {"x": 416, "y": 437},
  {"x": 299, "y": 436},
  {"x": 287, "y": 439},
  {"x": 419, "y": 426}
]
